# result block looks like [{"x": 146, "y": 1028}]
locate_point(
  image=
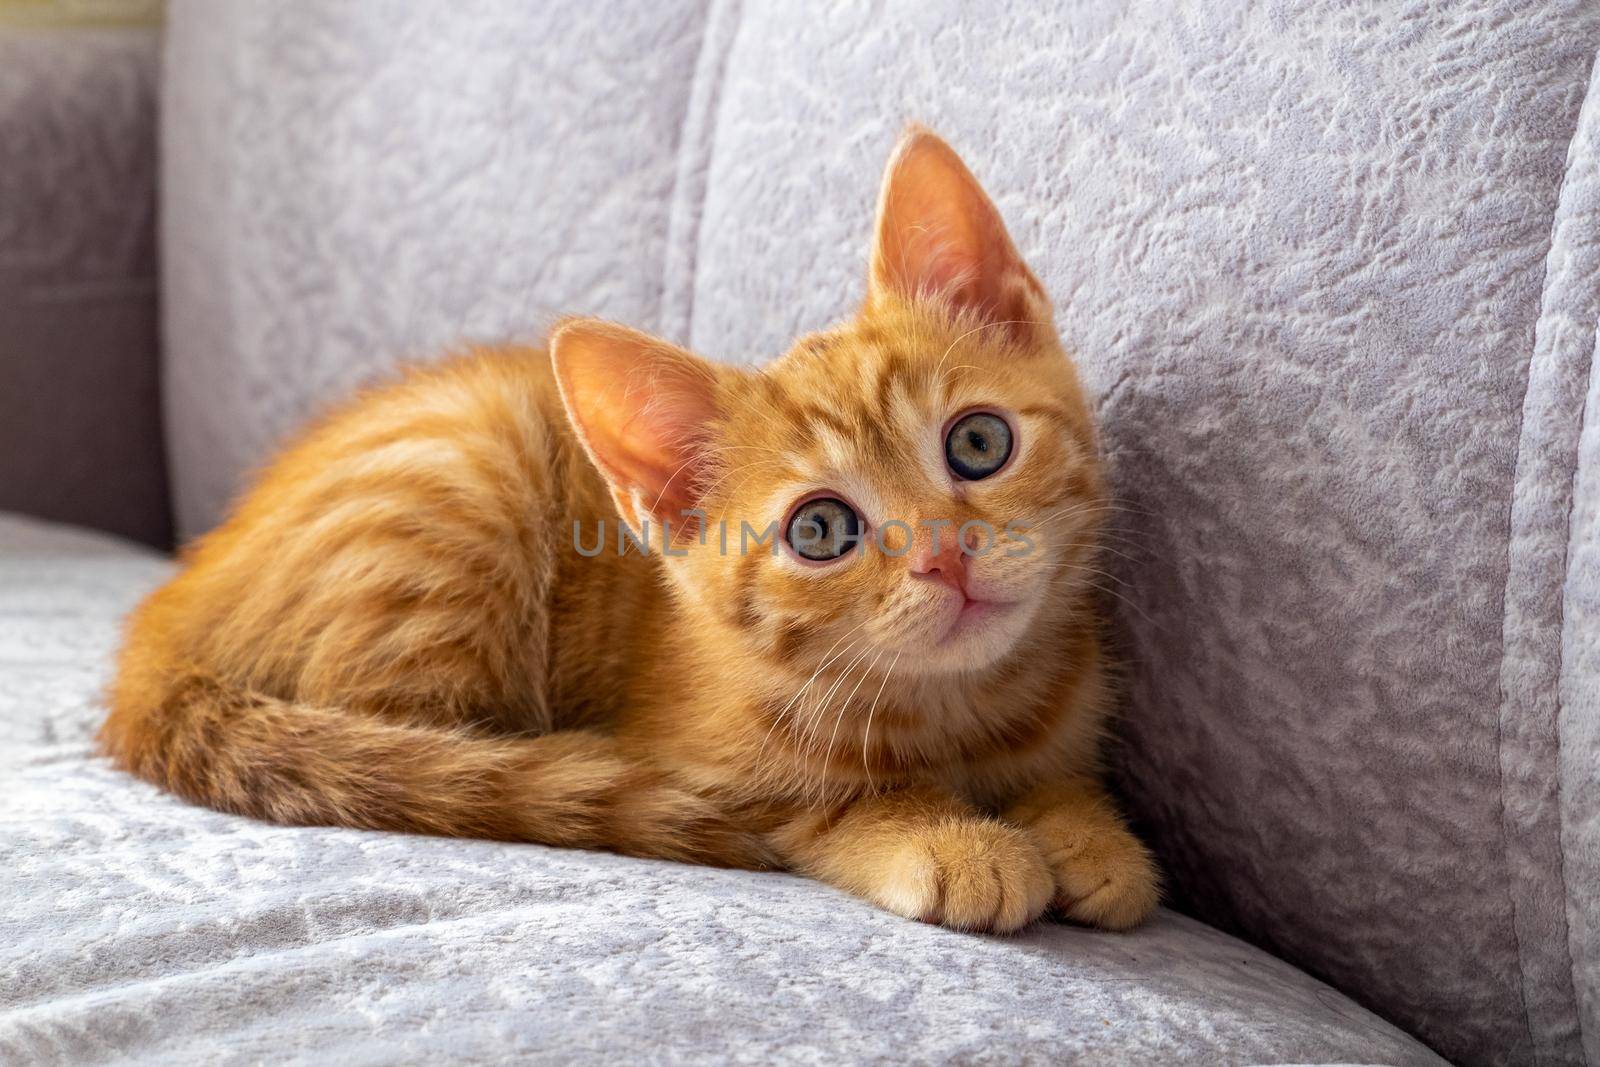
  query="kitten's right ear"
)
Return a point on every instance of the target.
[{"x": 644, "y": 410}]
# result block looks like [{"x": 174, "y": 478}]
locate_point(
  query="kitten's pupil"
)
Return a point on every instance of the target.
[{"x": 977, "y": 440}]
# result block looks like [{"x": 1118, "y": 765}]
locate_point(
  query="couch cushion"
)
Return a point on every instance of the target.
[
  {"x": 348, "y": 185},
  {"x": 1576, "y": 718},
  {"x": 139, "y": 929},
  {"x": 1559, "y": 524},
  {"x": 80, "y": 411},
  {"x": 1550, "y": 671},
  {"x": 1300, "y": 250}
]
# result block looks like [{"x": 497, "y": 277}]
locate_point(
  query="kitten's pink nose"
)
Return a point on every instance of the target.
[{"x": 947, "y": 565}]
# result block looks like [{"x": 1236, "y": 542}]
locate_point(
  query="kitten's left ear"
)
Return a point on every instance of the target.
[
  {"x": 643, "y": 409},
  {"x": 939, "y": 236}
]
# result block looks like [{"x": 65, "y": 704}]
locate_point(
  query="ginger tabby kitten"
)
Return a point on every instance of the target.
[{"x": 409, "y": 622}]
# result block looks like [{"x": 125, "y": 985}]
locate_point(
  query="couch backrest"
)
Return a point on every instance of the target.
[
  {"x": 80, "y": 417},
  {"x": 1332, "y": 276},
  {"x": 346, "y": 186}
]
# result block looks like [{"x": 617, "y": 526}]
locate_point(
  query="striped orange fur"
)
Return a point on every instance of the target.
[{"x": 396, "y": 628}]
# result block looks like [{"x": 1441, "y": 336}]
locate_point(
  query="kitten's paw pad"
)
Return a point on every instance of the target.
[
  {"x": 971, "y": 874},
  {"x": 1104, "y": 877}
]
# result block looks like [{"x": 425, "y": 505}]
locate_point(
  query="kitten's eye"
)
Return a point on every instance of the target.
[
  {"x": 823, "y": 529},
  {"x": 978, "y": 445}
]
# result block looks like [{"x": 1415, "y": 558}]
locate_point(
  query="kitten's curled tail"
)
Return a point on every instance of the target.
[{"x": 303, "y": 765}]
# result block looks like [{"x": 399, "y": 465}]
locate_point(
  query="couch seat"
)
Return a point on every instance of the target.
[{"x": 136, "y": 928}]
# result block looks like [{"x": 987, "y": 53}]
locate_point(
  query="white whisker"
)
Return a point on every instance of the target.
[
  {"x": 866, "y": 734},
  {"x": 827, "y": 659}
]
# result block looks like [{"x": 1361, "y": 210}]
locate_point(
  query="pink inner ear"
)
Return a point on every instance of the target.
[
  {"x": 641, "y": 407},
  {"x": 938, "y": 232},
  {"x": 666, "y": 459},
  {"x": 954, "y": 272}
]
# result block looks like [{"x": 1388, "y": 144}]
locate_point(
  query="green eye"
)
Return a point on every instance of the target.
[
  {"x": 824, "y": 529},
  {"x": 977, "y": 445}
]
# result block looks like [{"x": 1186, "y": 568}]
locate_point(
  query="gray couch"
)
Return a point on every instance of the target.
[{"x": 1333, "y": 272}]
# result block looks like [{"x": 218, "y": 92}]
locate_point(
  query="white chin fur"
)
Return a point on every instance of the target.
[{"x": 976, "y": 647}]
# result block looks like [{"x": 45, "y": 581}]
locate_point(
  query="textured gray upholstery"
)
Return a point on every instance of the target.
[
  {"x": 80, "y": 421},
  {"x": 1567, "y": 685},
  {"x": 138, "y": 929},
  {"x": 346, "y": 185},
  {"x": 1333, "y": 273},
  {"x": 1549, "y": 713},
  {"x": 1578, "y": 697}
]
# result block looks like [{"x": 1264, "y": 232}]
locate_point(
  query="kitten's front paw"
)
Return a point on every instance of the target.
[
  {"x": 972, "y": 874},
  {"x": 1104, "y": 876}
]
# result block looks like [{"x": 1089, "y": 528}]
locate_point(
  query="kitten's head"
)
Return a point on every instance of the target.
[{"x": 918, "y": 485}]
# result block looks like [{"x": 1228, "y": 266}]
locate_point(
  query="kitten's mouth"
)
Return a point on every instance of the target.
[{"x": 974, "y": 613}]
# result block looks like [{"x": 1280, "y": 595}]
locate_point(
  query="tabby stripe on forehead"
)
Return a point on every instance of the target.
[
  {"x": 889, "y": 375},
  {"x": 788, "y": 410},
  {"x": 812, "y": 413},
  {"x": 879, "y": 441}
]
